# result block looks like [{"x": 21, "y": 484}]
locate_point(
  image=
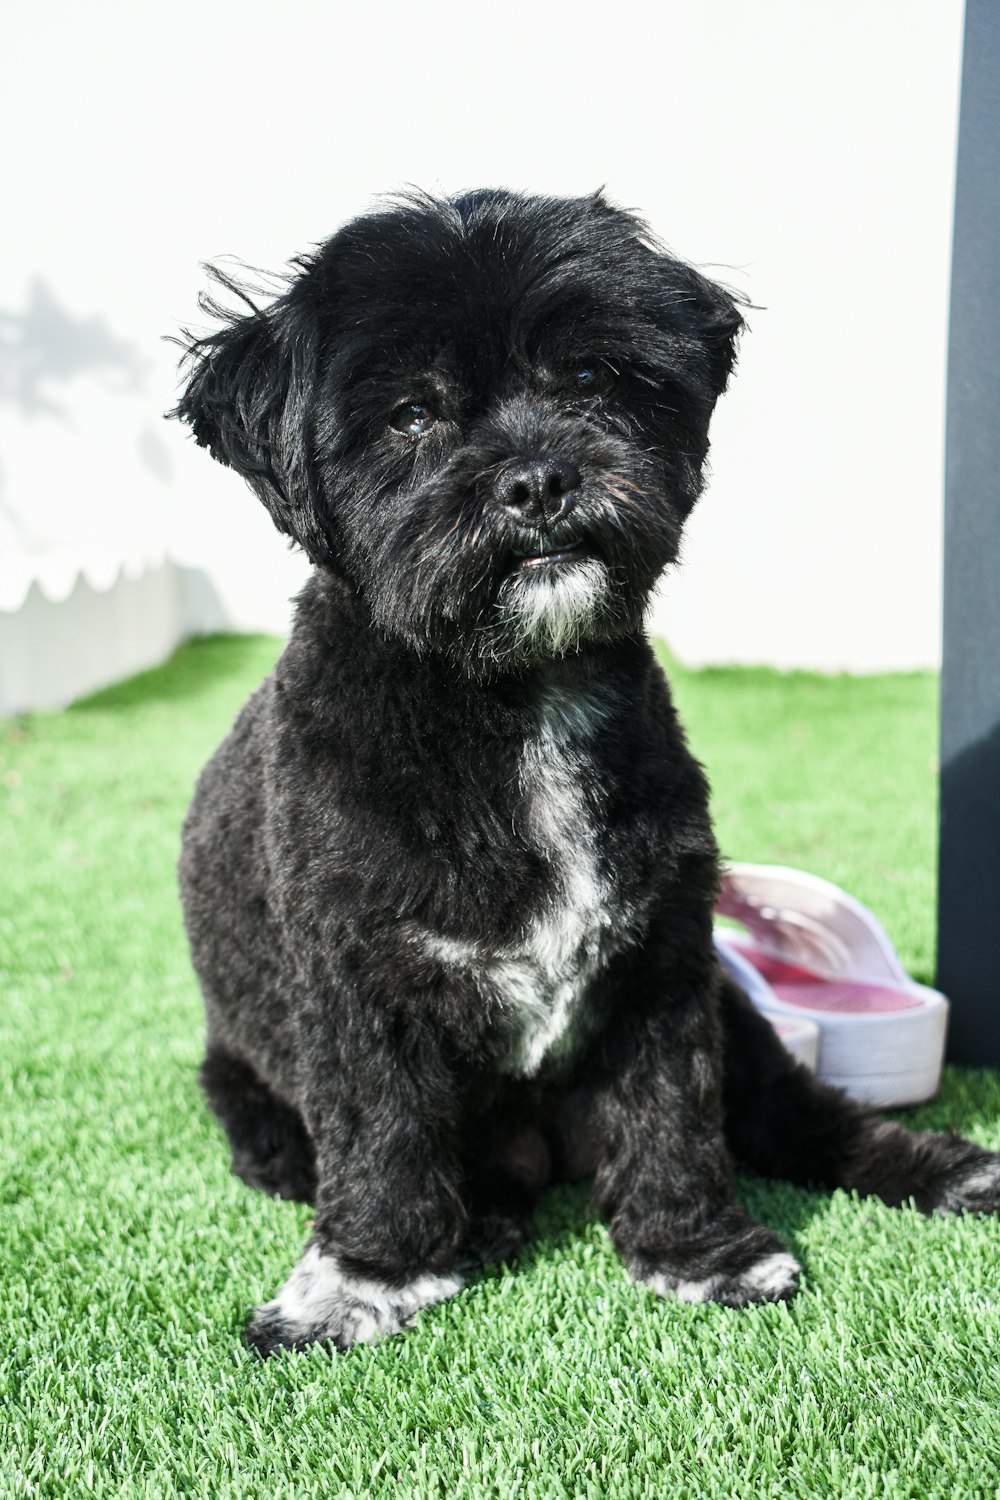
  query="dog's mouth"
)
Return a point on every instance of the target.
[{"x": 547, "y": 552}]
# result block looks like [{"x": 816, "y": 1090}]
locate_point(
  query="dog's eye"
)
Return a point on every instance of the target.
[
  {"x": 593, "y": 379},
  {"x": 413, "y": 419}
]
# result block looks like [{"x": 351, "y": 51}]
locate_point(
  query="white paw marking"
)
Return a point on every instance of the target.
[
  {"x": 771, "y": 1277},
  {"x": 981, "y": 1181},
  {"x": 319, "y": 1300},
  {"x": 684, "y": 1291}
]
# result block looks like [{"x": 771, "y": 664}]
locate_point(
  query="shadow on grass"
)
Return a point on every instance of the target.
[
  {"x": 968, "y": 1103},
  {"x": 567, "y": 1214}
]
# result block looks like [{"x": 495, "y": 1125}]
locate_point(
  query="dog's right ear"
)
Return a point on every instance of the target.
[{"x": 249, "y": 401}]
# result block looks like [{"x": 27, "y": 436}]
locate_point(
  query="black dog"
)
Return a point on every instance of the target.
[{"x": 449, "y": 882}]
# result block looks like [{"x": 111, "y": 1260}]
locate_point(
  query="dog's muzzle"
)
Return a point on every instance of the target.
[
  {"x": 550, "y": 553},
  {"x": 538, "y": 493}
]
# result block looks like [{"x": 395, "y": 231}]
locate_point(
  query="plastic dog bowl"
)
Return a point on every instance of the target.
[{"x": 817, "y": 955}]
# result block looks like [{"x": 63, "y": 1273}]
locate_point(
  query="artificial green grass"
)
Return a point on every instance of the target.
[{"x": 129, "y": 1254}]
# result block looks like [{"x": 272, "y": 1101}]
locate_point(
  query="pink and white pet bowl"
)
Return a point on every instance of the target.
[{"x": 810, "y": 955}]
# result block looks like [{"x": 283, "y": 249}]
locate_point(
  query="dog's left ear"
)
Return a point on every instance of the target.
[
  {"x": 249, "y": 400},
  {"x": 709, "y": 317}
]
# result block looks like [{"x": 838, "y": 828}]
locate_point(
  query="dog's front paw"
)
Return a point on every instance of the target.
[
  {"x": 320, "y": 1303},
  {"x": 755, "y": 1267}
]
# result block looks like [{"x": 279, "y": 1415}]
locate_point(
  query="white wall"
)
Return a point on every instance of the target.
[
  {"x": 801, "y": 151},
  {"x": 53, "y": 651}
]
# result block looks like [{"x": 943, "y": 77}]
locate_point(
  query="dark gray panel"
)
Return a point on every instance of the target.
[{"x": 969, "y": 899}]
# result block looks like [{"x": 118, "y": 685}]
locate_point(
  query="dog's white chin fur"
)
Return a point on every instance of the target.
[{"x": 554, "y": 607}]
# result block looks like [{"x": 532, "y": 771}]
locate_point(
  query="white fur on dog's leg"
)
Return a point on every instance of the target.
[
  {"x": 321, "y": 1302},
  {"x": 773, "y": 1278}
]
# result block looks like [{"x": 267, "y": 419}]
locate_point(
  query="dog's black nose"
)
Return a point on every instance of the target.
[{"x": 537, "y": 490}]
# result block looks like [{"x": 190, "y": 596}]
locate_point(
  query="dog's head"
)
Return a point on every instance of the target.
[{"x": 490, "y": 413}]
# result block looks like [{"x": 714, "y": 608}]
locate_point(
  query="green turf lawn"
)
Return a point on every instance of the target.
[{"x": 129, "y": 1254}]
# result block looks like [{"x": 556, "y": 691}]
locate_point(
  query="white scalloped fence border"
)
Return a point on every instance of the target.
[
  {"x": 60, "y": 643},
  {"x": 55, "y": 576}
]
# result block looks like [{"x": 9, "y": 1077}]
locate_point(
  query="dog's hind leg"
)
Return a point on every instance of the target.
[
  {"x": 783, "y": 1122},
  {"x": 270, "y": 1147},
  {"x": 507, "y": 1164}
]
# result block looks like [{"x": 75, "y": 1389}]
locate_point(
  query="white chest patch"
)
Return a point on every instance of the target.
[{"x": 542, "y": 976}]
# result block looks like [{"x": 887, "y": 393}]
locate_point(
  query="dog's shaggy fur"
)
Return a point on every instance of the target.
[{"x": 449, "y": 882}]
